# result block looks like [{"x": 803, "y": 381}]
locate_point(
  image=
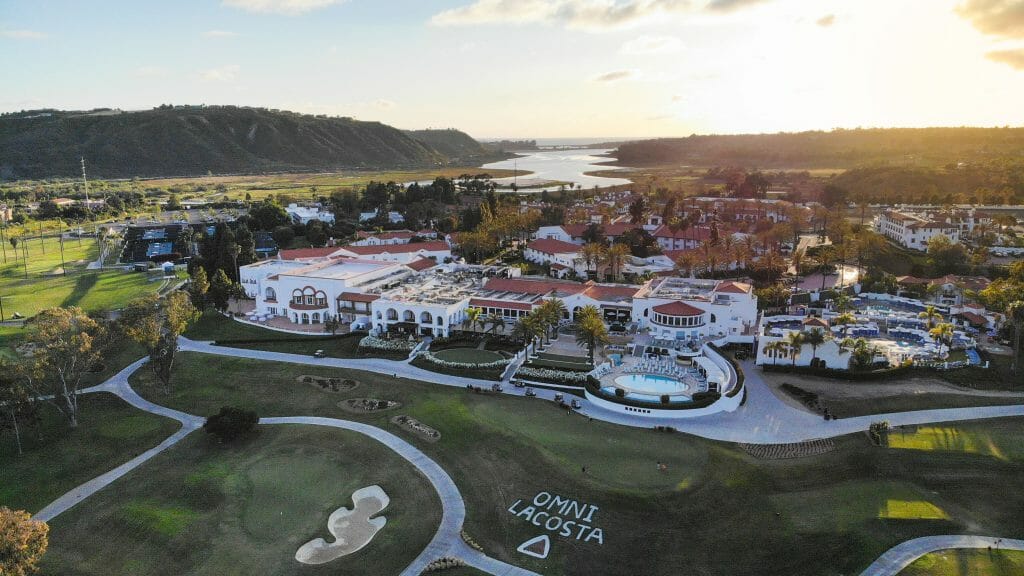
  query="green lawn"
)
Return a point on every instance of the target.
[
  {"x": 468, "y": 355},
  {"x": 715, "y": 510},
  {"x": 968, "y": 562},
  {"x": 207, "y": 508},
  {"x": 92, "y": 291},
  {"x": 57, "y": 458},
  {"x": 217, "y": 327}
]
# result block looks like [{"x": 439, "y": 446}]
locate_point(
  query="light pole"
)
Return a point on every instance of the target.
[{"x": 2, "y": 298}]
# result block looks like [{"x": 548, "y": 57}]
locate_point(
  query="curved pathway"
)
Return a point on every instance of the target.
[
  {"x": 762, "y": 419},
  {"x": 447, "y": 541},
  {"x": 902, "y": 555}
]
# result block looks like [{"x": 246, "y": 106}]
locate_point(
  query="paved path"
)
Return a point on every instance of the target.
[
  {"x": 118, "y": 384},
  {"x": 763, "y": 419},
  {"x": 902, "y": 555},
  {"x": 447, "y": 541}
]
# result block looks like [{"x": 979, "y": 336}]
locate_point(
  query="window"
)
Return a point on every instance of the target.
[{"x": 309, "y": 300}]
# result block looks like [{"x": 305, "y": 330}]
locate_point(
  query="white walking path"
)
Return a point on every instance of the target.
[
  {"x": 447, "y": 541},
  {"x": 900, "y": 556},
  {"x": 763, "y": 419}
]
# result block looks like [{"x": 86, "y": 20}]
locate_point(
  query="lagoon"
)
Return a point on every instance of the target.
[{"x": 561, "y": 166}]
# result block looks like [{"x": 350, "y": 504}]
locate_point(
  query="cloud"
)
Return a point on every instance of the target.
[
  {"x": 290, "y": 7},
  {"x": 584, "y": 14},
  {"x": 222, "y": 74},
  {"x": 995, "y": 17},
  {"x": 731, "y": 5},
  {"x": 826, "y": 20},
  {"x": 1014, "y": 58},
  {"x": 615, "y": 76},
  {"x": 219, "y": 34},
  {"x": 383, "y": 104},
  {"x": 23, "y": 34},
  {"x": 652, "y": 45}
]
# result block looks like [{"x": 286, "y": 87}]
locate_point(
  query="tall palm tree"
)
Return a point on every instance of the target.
[
  {"x": 815, "y": 337},
  {"x": 474, "y": 318},
  {"x": 930, "y": 316},
  {"x": 592, "y": 253},
  {"x": 943, "y": 333},
  {"x": 590, "y": 330},
  {"x": 495, "y": 322},
  {"x": 552, "y": 312},
  {"x": 1015, "y": 314},
  {"x": 686, "y": 262},
  {"x": 795, "y": 342},
  {"x": 776, "y": 348},
  {"x": 616, "y": 258}
]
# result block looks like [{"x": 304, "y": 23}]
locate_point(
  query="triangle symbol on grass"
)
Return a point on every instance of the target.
[{"x": 537, "y": 547}]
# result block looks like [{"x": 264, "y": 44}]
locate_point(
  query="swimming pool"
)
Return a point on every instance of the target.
[{"x": 651, "y": 385}]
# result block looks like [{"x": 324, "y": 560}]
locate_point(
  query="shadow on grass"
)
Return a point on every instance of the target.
[{"x": 83, "y": 284}]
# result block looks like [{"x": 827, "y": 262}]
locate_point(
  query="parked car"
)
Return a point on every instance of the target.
[
  {"x": 318, "y": 354},
  {"x": 530, "y": 392}
]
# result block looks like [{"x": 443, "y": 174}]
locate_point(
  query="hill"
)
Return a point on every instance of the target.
[
  {"x": 835, "y": 149},
  {"x": 454, "y": 144},
  {"x": 197, "y": 140}
]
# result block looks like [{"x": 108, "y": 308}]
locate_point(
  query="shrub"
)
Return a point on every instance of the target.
[
  {"x": 664, "y": 398},
  {"x": 429, "y": 356},
  {"x": 386, "y": 345},
  {"x": 231, "y": 423},
  {"x": 554, "y": 376},
  {"x": 620, "y": 392}
]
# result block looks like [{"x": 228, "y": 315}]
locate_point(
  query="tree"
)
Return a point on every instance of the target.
[
  {"x": 638, "y": 210},
  {"x": 1015, "y": 314},
  {"x": 66, "y": 345},
  {"x": 269, "y": 215},
  {"x": 173, "y": 202},
  {"x": 230, "y": 423},
  {"x": 590, "y": 330},
  {"x": 157, "y": 325},
  {"x": 23, "y": 541},
  {"x": 332, "y": 324},
  {"x": 220, "y": 290},
  {"x": 316, "y": 234},
  {"x": 944, "y": 256},
  {"x": 930, "y": 316},
  {"x": 795, "y": 343},
  {"x": 198, "y": 288},
  {"x": 616, "y": 258},
  {"x": 776, "y": 349},
  {"x": 495, "y": 323},
  {"x": 550, "y": 314},
  {"x": 593, "y": 254},
  {"x": 17, "y": 407},
  {"x": 815, "y": 337},
  {"x": 474, "y": 318},
  {"x": 943, "y": 334},
  {"x": 283, "y": 236}
]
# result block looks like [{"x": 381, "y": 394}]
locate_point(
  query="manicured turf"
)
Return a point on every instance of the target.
[
  {"x": 468, "y": 355},
  {"x": 217, "y": 327},
  {"x": 850, "y": 407},
  {"x": 57, "y": 459},
  {"x": 968, "y": 562},
  {"x": 245, "y": 508},
  {"x": 715, "y": 510}
]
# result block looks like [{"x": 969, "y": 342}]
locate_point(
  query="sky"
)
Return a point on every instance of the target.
[{"x": 532, "y": 68}]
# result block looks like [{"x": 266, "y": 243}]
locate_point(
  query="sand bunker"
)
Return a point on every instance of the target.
[{"x": 352, "y": 529}]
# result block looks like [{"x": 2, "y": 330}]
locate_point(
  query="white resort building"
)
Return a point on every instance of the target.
[
  {"x": 912, "y": 230},
  {"x": 691, "y": 309}
]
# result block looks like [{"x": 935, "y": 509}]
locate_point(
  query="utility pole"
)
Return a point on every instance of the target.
[
  {"x": 60, "y": 241},
  {"x": 85, "y": 183},
  {"x": 41, "y": 242},
  {"x": 3, "y": 241}
]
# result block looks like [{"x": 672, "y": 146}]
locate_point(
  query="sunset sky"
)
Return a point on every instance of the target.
[{"x": 532, "y": 68}]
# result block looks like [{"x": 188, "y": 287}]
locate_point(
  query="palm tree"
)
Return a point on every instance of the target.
[
  {"x": 1015, "y": 314},
  {"x": 815, "y": 337},
  {"x": 590, "y": 330},
  {"x": 528, "y": 328},
  {"x": 616, "y": 258},
  {"x": 795, "y": 342},
  {"x": 842, "y": 303},
  {"x": 496, "y": 322},
  {"x": 776, "y": 348},
  {"x": 552, "y": 312},
  {"x": 943, "y": 333},
  {"x": 592, "y": 253},
  {"x": 930, "y": 316},
  {"x": 474, "y": 318}
]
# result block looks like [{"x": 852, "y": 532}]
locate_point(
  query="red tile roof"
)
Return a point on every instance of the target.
[
  {"x": 550, "y": 246},
  {"x": 307, "y": 253},
  {"x": 677, "y": 309},
  {"x": 611, "y": 293},
  {"x": 975, "y": 319},
  {"x": 537, "y": 287},
  {"x": 576, "y": 230},
  {"x": 482, "y": 302},
  {"x": 422, "y": 264},
  {"x": 692, "y": 233},
  {"x": 398, "y": 248},
  {"x": 731, "y": 287},
  {"x": 357, "y": 297}
]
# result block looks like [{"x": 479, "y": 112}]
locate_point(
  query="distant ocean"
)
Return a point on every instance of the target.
[{"x": 579, "y": 141}]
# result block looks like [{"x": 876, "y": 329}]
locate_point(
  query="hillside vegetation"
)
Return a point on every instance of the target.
[
  {"x": 197, "y": 140},
  {"x": 931, "y": 147}
]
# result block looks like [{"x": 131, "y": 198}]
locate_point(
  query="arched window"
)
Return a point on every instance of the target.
[
  {"x": 392, "y": 314},
  {"x": 408, "y": 316},
  {"x": 426, "y": 317},
  {"x": 440, "y": 320},
  {"x": 316, "y": 317},
  {"x": 712, "y": 318},
  {"x": 271, "y": 294},
  {"x": 379, "y": 315},
  {"x": 296, "y": 296}
]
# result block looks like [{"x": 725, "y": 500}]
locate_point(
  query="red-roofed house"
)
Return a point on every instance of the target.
[
  {"x": 401, "y": 253},
  {"x": 562, "y": 256}
]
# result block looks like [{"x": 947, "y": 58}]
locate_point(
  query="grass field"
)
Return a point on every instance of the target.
[
  {"x": 207, "y": 508},
  {"x": 468, "y": 355},
  {"x": 715, "y": 510},
  {"x": 57, "y": 458},
  {"x": 969, "y": 562},
  {"x": 215, "y": 326}
]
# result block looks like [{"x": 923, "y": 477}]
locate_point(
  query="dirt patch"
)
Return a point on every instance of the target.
[
  {"x": 352, "y": 529},
  {"x": 786, "y": 451},
  {"x": 365, "y": 405},
  {"x": 416, "y": 427},
  {"x": 326, "y": 384}
]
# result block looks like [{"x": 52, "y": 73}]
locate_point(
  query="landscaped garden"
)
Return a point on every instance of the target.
[
  {"x": 500, "y": 450},
  {"x": 224, "y": 331},
  {"x": 245, "y": 508},
  {"x": 57, "y": 458}
]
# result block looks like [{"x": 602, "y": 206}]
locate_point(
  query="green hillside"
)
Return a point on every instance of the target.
[
  {"x": 452, "y": 143},
  {"x": 196, "y": 140}
]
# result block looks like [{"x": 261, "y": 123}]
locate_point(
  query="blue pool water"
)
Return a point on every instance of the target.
[{"x": 650, "y": 384}]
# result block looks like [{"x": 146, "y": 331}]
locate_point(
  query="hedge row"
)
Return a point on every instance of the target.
[{"x": 487, "y": 374}]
